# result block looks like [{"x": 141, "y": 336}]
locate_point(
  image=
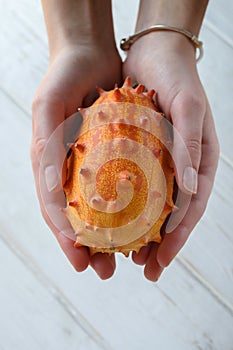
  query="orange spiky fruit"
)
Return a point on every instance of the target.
[{"x": 120, "y": 173}]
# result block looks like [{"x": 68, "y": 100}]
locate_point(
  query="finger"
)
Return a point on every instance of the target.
[
  {"x": 48, "y": 155},
  {"x": 47, "y": 166},
  {"x": 153, "y": 270},
  {"x": 174, "y": 241},
  {"x": 78, "y": 257},
  {"x": 187, "y": 113},
  {"x": 49, "y": 131},
  {"x": 140, "y": 258},
  {"x": 47, "y": 116},
  {"x": 103, "y": 264}
]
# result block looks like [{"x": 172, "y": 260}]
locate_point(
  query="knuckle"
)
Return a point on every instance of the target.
[
  {"x": 193, "y": 144},
  {"x": 36, "y": 103},
  {"x": 43, "y": 99},
  {"x": 196, "y": 102},
  {"x": 38, "y": 146},
  {"x": 40, "y": 100},
  {"x": 192, "y": 99},
  {"x": 200, "y": 208},
  {"x": 190, "y": 104}
]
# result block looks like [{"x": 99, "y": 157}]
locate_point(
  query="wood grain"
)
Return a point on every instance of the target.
[{"x": 43, "y": 301}]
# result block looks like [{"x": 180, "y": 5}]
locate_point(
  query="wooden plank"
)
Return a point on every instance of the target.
[
  {"x": 24, "y": 50},
  {"x": 31, "y": 318},
  {"x": 179, "y": 305},
  {"x": 219, "y": 19},
  {"x": 216, "y": 72},
  {"x": 124, "y": 17},
  {"x": 176, "y": 313},
  {"x": 184, "y": 309},
  {"x": 210, "y": 247},
  {"x": 222, "y": 120}
]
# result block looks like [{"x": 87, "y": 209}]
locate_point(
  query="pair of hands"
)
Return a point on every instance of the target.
[{"x": 170, "y": 69}]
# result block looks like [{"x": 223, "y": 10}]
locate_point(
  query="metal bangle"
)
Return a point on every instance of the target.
[{"x": 126, "y": 43}]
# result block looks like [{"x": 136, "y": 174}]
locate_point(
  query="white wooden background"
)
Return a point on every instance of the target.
[{"x": 44, "y": 303}]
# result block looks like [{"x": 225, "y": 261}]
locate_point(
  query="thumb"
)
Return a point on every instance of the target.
[
  {"x": 47, "y": 147},
  {"x": 187, "y": 115},
  {"x": 48, "y": 155}
]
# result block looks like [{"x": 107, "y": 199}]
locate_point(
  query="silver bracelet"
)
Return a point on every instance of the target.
[{"x": 126, "y": 43}]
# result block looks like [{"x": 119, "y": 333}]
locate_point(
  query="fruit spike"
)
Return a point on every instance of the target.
[
  {"x": 117, "y": 94},
  {"x": 140, "y": 89},
  {"x": 145, "y": 239},
  {"x": 156, "y": 194},
  {"x": 127, "y": 83},
  {"x": 96, "y": 201},
  {"x": 144, "y": 221},
  {"x": 80, "y": 146},
  {"x": 125, "y": 176},
  {"x": 150, "y": 93},
  {"x": 77, "y": 244},
  {"x": 102, "y": 115},
  {"x": 100, "y": 91},
  {"x": 73, "y": 203},
  {"x": 89, "y": 226},
  {"x": 120, "y": 178},
  {"x": 71, "y": 145},
  {"x": 85, "y": 172},
  {"x": 110, "y": 236},
  {"x": 175, "y": 209},
  {"x": 157, "y": 152}
]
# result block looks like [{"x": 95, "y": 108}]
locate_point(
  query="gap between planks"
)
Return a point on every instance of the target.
[
  {"x": 185, "y": 264},
  {"x": 31, "y": 265},
  {"x": 9, "y": 96},
  {"x": 215, "y": 30},
  {"x": 56, "y": 293},
  {"x": 226, "y": 160}
]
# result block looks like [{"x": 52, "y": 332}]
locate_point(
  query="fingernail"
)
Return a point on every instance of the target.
[
  {"x": 190, "y": 179},
  {"x": 51, "y": 177}
]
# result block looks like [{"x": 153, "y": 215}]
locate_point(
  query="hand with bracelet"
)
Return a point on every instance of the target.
[
  {"x": 83, "y": 55},
  {"x": 165, "y": 61}
]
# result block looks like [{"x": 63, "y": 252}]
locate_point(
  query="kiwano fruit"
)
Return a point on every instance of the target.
[{"x": 120, "y": 174}]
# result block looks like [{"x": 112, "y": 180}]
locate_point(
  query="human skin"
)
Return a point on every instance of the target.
[
  {"x": 166, "y": 62},
  {"x": 82, "y": 55}
]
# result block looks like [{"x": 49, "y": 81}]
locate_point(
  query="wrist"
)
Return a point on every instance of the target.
[
  {"x": 179, "y": 13},
  {"x": 72, "y": 23},
  {"x": 164, "y": 46}
]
